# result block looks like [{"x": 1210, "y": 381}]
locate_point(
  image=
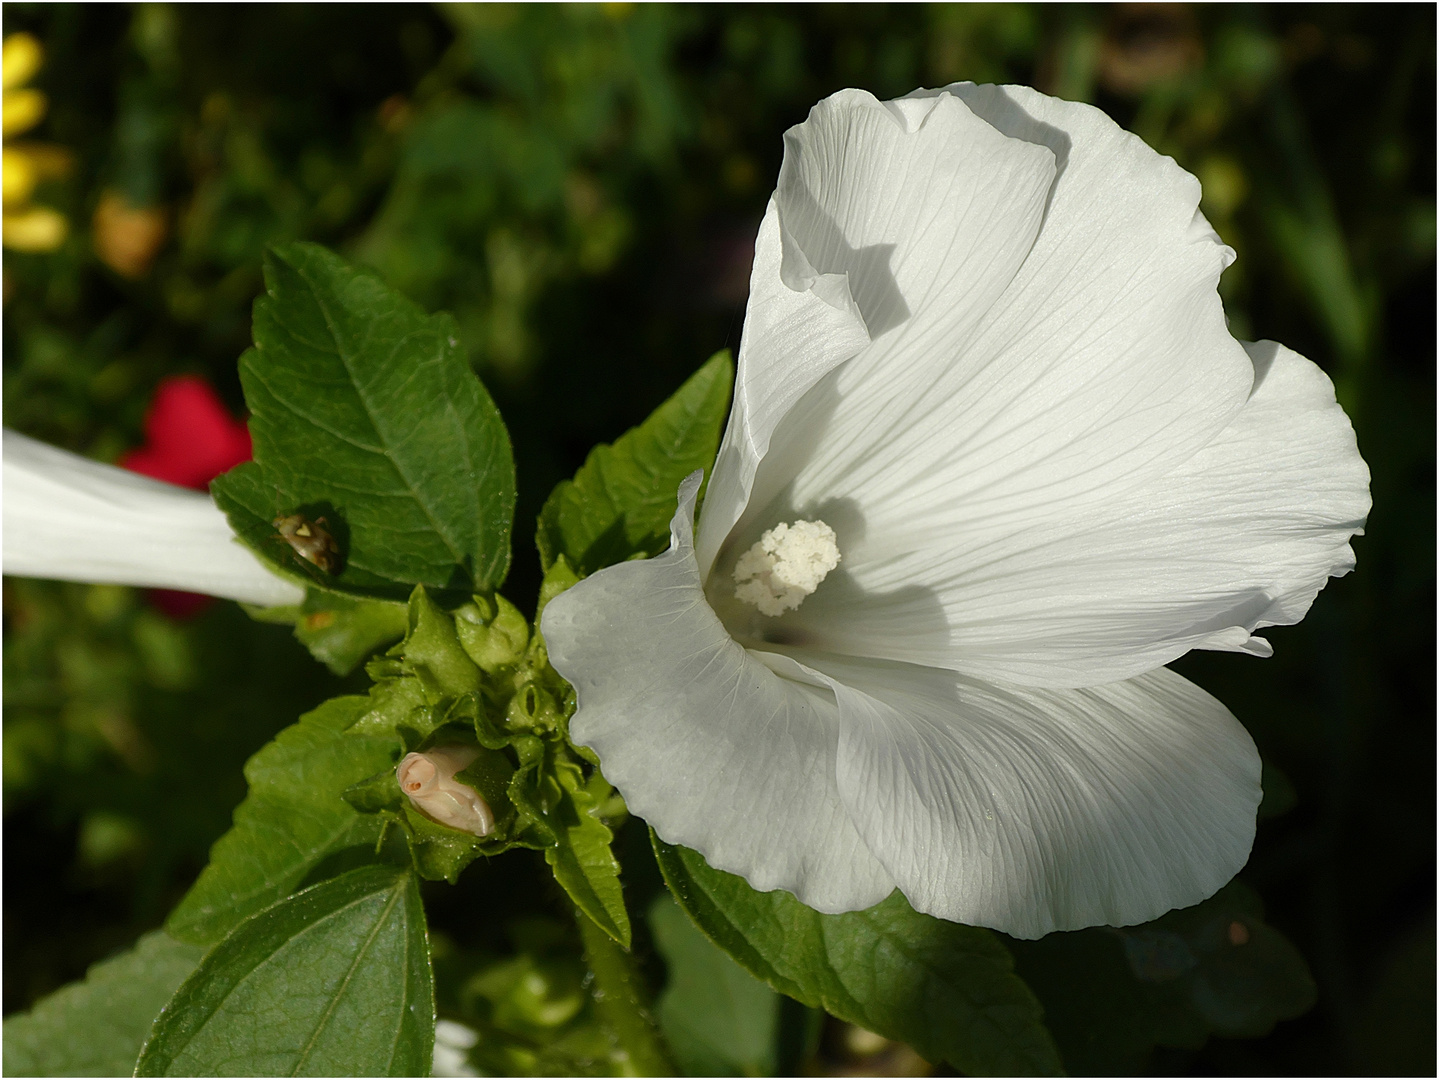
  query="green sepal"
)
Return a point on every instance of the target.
[
  {"x": 558, "y": 577},
  {"x": 432, "y": 650},
  {"x": 419, "y": 726},
  {"x": 376, "y": 793},
  {"x": 393, "y": 698},
  {"x": 533, "y": 708},
  {"x": 471, "y": 709},
  {"x": 609, "y": 804},
  {"x": 389, "y": 666},
  {"x": 440, "y": 853},
  {"x": 490, "y": 775},
  {"x": 494, "y": 634}
]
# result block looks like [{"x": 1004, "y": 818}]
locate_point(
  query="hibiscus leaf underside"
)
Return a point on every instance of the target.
[
  {"x": 333, "y": 981},
  {"x": 95, "y": 1027},
  {"x": 364, "y": 411},
  {"x": 292, "y": 819},
  {"x": 950, "y": 991},
  {"x": 620, "y": 502}
]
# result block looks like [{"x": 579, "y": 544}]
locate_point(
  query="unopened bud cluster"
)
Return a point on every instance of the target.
[{"x": 482, "y": 653}]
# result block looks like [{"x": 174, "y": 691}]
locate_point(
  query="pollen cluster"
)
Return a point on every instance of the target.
[{"x": 785, "y": 565}]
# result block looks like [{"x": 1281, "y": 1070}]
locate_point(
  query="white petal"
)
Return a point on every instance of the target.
[
  {"x": 1242, "y": 535},
  {"x": 898, "y": 223},
  {"x": 71, "y": 518},
  {"x": 1031, "y": 810},
  {"x": 1105, "y": 366},
  {"x": 792, "y": 337},
  {"x": 706, "y": 743},
  {"x": 1105, "y": 361}
]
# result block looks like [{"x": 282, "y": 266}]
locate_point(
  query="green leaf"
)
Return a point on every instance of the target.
[
  {"x": 333, "y": 981},
  {"x": 586, "y": 867},
  {"x": 558, "y": 804},
  {"x": 620, "y": 502},
  {"x": 96, "y": 1027},
  {"x": 1279, "y": 794},
  {"x": 950, "y": 991},
  {"x": 718, "y": 1018},
  {"x": 294, "y": 817},
  {"x": 1111, "y": 996},
  {"x": 364, "y": 410},
  {"x": 394, "y": 698},
  {"x": 340, "y": 631}
]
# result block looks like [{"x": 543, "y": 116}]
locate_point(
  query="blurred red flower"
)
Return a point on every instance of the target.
[{"x": 190, "y": 438}]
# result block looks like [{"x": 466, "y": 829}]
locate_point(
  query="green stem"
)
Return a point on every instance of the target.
[{"x": 620, "y": 1000}]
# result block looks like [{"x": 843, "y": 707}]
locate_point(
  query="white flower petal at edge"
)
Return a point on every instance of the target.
[
  {"x": 74, "y": 519},
  {"x": 1044, "y": 808},
  {"x": 984, "y": 345}
]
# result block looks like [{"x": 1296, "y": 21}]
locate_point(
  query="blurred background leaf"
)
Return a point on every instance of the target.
[
  {"x": 96, "y": 1028},
  {"x": 719, "y": 1019},
  {"x": 581, "y": 185}
]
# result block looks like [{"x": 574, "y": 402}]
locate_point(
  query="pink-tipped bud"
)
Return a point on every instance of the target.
[{"x": 429, "y": 781}]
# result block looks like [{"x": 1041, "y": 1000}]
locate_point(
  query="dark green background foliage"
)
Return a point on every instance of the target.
[{"x": 579, "y": 187}]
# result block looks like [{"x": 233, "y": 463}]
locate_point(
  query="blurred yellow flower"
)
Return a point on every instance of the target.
[
  {"x": 27, "y": 227},
  {"x": 21, "y": 58}
]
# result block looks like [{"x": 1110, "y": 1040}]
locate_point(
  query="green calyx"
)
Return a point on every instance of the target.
[
  {"x": 493, "y": 633},
  {"x": 477, "y": 676}
]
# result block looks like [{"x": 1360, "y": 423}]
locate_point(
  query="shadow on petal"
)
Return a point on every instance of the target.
[{"x": 871, "y": 276}]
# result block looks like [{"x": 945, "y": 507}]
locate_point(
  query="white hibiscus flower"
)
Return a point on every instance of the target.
[{"x": 993, "y": 460}]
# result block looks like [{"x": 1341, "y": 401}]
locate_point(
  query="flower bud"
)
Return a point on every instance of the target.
[{"x": 429, "y": 781}]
